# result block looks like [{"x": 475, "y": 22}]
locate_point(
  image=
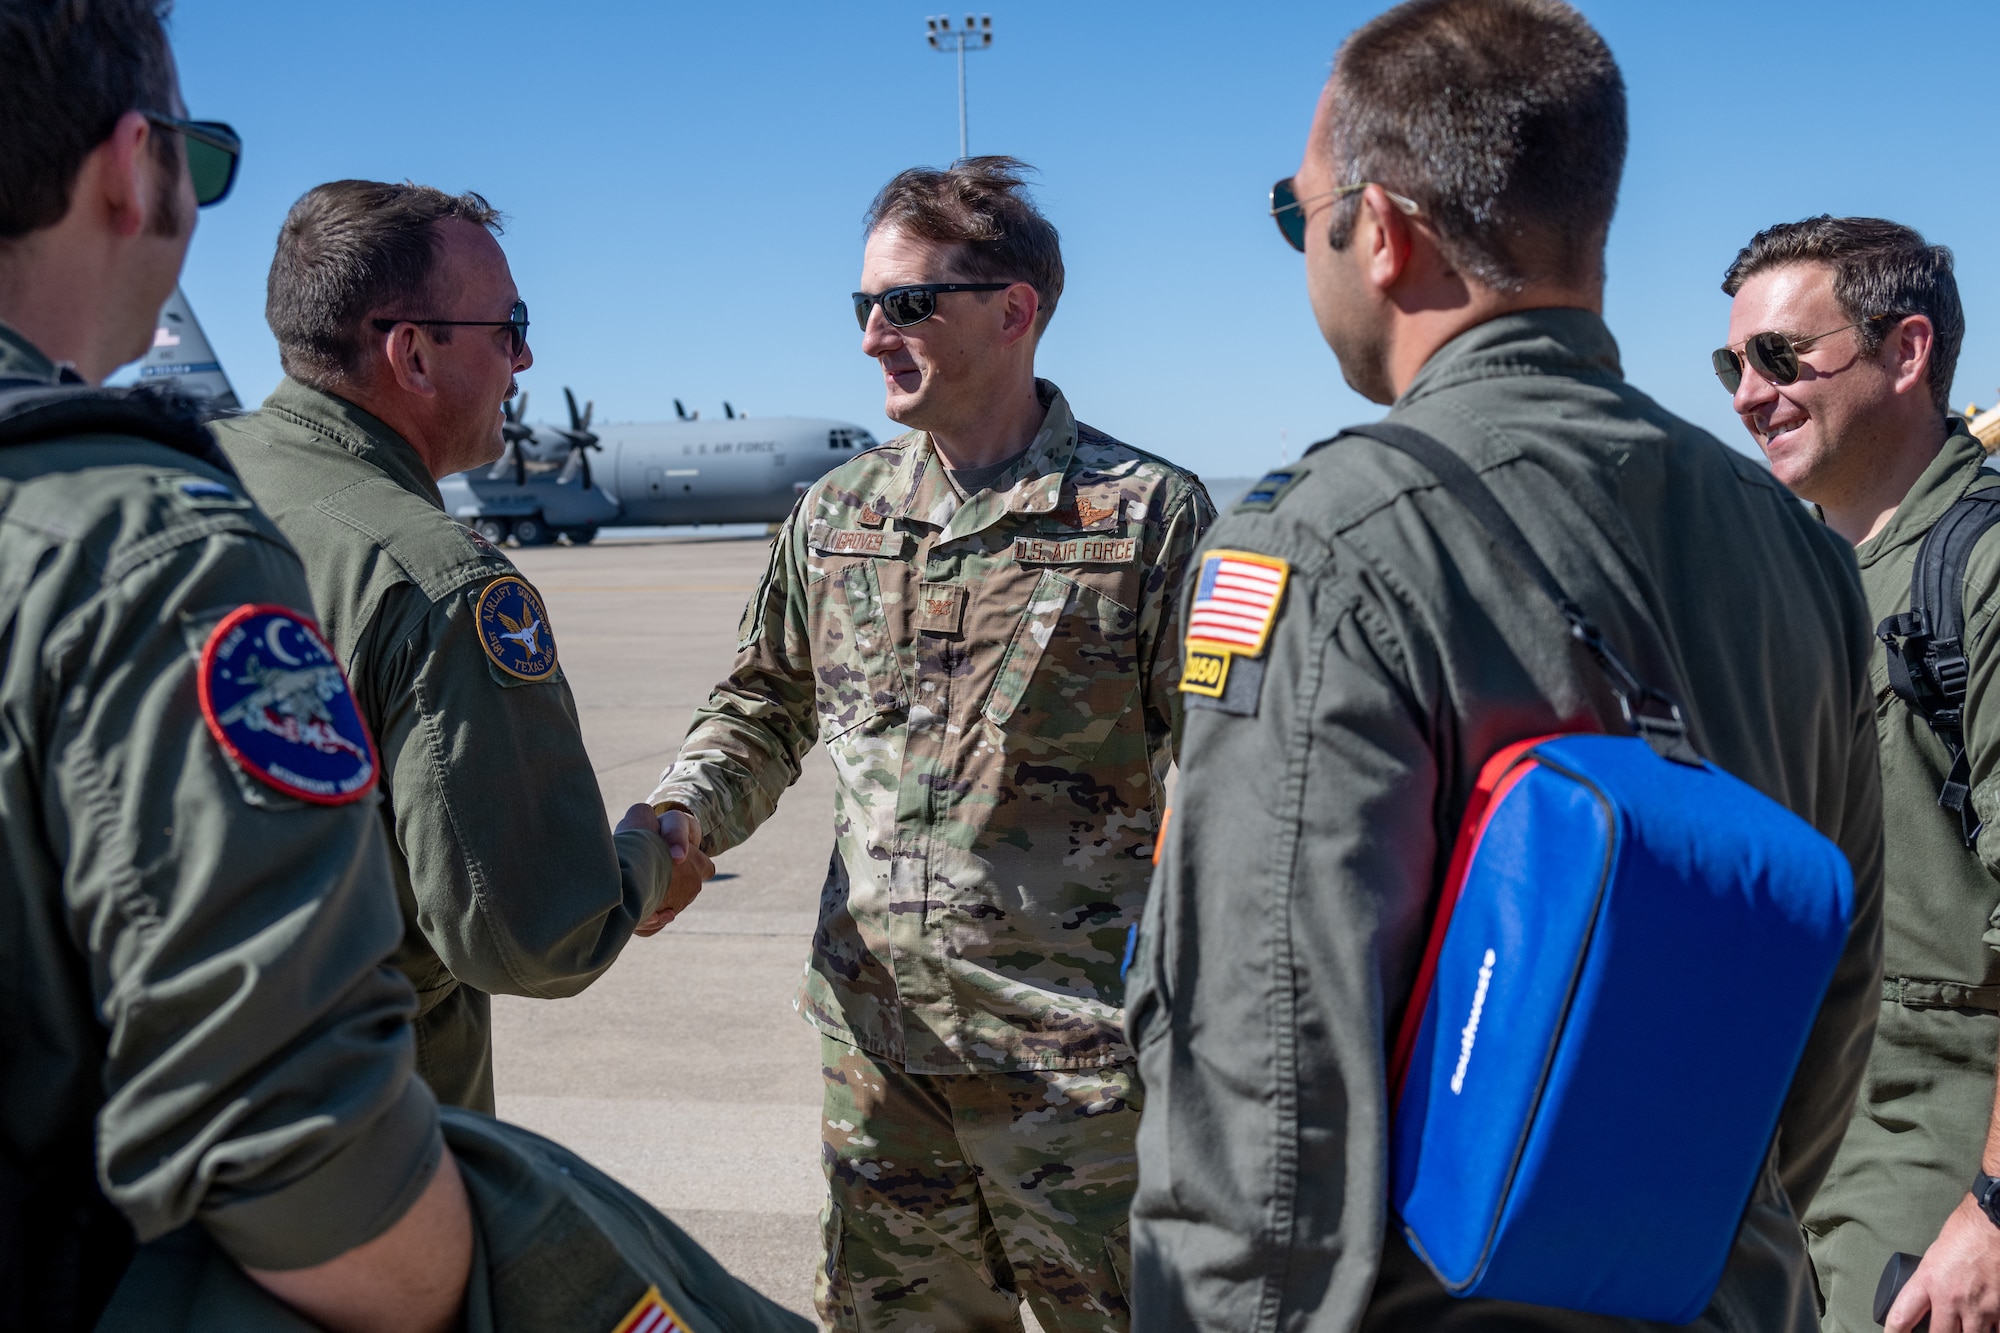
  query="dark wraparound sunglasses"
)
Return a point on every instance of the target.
[
  {"x": 516, "y": 323},
  {"x": 213, "y": 152},
  {"x": 1288, "y": 210},
  {"x": 1773, "y": 355},
  {"x": 904, "y": 306}
]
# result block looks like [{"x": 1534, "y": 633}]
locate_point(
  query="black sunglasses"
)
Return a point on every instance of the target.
[
  {"x": 1773, "y": 355},
  {"x": 904, "y": 306},
  {"x": 1288, "y": 210},
  {"x": 516, "y": 323},
  {"x": 213, "y": 153}
]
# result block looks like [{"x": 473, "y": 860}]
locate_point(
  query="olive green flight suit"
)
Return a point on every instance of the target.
[
  {"x": 1920, "y": 1124},
  {"x": 1322, "y": 786},
  {"x": 509, "y": 879},
  {"x": 197, "y": 1022}
]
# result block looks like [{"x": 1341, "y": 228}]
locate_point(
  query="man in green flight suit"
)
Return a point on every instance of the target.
[
  {"x": 200, "y": 1022},
  {"x": 978, "y": 620},
  {"x": 1452, "y": 206},
  {"x": 401, "y": 331},
  {"x": 1843, "y": 336}
]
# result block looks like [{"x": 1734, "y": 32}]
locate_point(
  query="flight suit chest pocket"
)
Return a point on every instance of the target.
[
  {"x": 1071, "y": 672},
  {"x": 856, "y": 674}
]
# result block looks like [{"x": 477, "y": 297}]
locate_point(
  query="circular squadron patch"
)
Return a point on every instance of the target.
[
  {"x": 280, "y": 705},
  {"x": 514, "y": 629}
]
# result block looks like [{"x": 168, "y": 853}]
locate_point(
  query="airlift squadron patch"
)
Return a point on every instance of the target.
[
  {"x": 514, "y": 629},
  {"x": 1235, "y": 604},
  {"x": 279, "y": 705}
]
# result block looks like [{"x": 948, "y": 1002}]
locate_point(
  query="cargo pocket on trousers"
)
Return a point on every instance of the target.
[
  {"x": 1071, "y": 673},
  {"x": 833, "y": 1296}
]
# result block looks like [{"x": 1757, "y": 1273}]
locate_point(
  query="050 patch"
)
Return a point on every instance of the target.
[
  {"x": 1205, "y": 673},
  {"x": 278, "y": 703},
  {"x": 514, "y": 629},
  {"x": 651, "y": 1315}
]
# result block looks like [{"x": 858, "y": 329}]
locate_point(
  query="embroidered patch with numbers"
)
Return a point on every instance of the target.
[
  {"x": 940, "y": 609},
  {"x": 1076, "y": 550},
  {"x": 1236, "y": 602},
  {"x": 1204, "y": 672},
  {"x": 278, "y": 703},
  {"x": 651, "y": 1315},
  {"x": 514, "y": 629}
]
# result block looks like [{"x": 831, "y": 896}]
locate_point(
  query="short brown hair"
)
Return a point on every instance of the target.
[
  {"x": 1503, "y": 119},
  {"x": 71, "y": 68},
  {"x": 981, "y": 205},
  {"x": 347, "y": 249},
  {"x": 1880, "y": 268}
]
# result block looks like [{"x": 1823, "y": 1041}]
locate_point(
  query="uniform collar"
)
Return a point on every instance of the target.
[
  {"x": 1558, "y": 340},
  {"x": 1949, "y": 476},
  {"x": 1032, "y": 486},
  {"x": 22, "y": 360},
  {"x": 361, "y": 433}
]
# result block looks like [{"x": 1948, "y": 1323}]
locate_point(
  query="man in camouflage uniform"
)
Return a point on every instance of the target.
[
  {"x": 1864, "y": 430},
  {"x": 401, "y": 331},
  {"x": 979, "y": 621}
]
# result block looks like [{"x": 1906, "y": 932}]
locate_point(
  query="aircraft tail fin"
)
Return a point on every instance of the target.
[{"x": 181, "y": 358}]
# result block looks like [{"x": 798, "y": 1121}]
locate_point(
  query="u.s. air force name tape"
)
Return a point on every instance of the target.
[
  {"x": 514, "y": 629},
  {"x": 279, "y": 705},
  {"x": 1075, "y": 550},
  {"x": 1235, "y": 604}
]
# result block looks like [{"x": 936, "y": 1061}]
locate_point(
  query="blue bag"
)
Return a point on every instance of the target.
[{"x": 1630, "y": 950}]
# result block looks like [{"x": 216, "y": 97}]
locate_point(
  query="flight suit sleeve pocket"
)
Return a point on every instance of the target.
[
  {"x": 1070, "y": 674},
  {"x": 856, "y": 674}
]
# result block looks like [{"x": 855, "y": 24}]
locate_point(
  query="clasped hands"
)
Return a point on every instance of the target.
[{"x": 682, "y": 832}]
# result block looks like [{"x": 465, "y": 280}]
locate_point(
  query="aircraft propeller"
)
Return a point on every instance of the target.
[{"x": 581, "y": 440}]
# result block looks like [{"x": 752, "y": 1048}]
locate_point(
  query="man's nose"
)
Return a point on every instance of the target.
[
  {"x": 525, "y": 359},
  {"x": 879, "y": 336},
  {"x": 1753, "y": 391}
]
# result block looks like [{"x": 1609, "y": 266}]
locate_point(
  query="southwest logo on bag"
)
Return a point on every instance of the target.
[
  {"x": 514, "y": 629},
  {"x": 651, "y": 1315},
  {"x": 1236, "y": 602},
  {"x": 279, "y": 705}
]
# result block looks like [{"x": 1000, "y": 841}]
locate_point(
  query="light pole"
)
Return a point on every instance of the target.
[{"x": 973, "y": 36}]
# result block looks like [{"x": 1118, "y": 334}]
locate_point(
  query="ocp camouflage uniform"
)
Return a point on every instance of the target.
[{"x": 994, "y": 680}]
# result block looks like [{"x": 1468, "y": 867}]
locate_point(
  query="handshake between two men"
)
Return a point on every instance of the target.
[{"x": 692, "y": 866}]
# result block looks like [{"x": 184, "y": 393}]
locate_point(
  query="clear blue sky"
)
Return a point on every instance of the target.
[{"x": 684, "y": 182}]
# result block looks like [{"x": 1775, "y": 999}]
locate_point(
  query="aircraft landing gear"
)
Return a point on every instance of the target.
[
  {"x": 492, "y": 529},
  {"x": 580, "y": 536},
  {"x": 532, "y": 531}
]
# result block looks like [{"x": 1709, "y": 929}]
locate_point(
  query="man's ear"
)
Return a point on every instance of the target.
[
  {"x": 111, "y": 178},
  {"x": 1021, "y": 303},
  {"x": 1386, "y": 237},
  {"x": 1908, "y": 350},
  {"x": 407, "y": 355}
]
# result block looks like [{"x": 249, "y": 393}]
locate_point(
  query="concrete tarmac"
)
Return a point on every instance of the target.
[{"x": 684, "y": 1071}]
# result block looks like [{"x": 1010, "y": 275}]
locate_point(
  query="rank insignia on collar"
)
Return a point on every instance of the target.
[
  {"x": 514, "y": 629},
  {"x": 651, "y": 1315},
  {"x": 279, "y": 705}
]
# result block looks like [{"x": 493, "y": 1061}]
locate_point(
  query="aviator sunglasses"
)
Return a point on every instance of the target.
[
  {"x": 1773, "y": 355},
  {"x": 213, "y": 152},
  {"x": 915, "y": 303},
  {"x": 1288, "y": 210},
  {"x": 516, "y": 324}
]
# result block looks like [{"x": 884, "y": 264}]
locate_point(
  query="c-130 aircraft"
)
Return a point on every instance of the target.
[{"x": 568, "y": 482}]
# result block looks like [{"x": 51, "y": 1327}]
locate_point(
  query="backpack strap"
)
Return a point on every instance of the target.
[
  {"x": 34, "y": 411},
  {"x": 1652, "y": 714},
  {"x": 1925, "y": 645}
]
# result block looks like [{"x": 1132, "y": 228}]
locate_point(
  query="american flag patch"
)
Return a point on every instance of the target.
[
  {"x": 651, "y": 1315},
  {"x": 1236, "y": 601}
]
